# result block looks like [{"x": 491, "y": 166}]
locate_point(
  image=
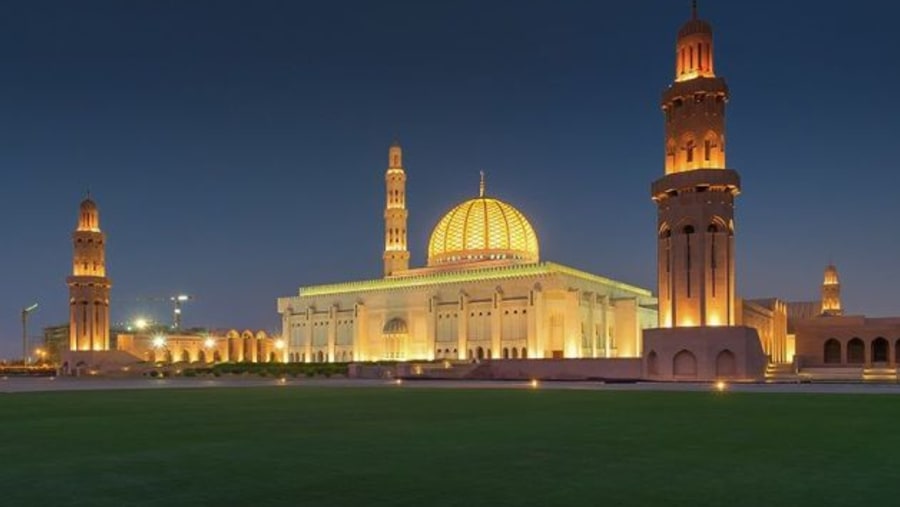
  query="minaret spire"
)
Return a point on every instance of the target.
[
  {"x": 481, "y": 185},
  {"x": 694, "y": 9},
  {"x": 88, "y": 286},
  {"x": 396, "y": 253},
  {"x": 831, "y": 291}
]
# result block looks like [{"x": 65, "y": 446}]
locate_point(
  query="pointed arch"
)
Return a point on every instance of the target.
[
  {"x": 684, "y": 365},
  {"x": 726, "y": 364}
]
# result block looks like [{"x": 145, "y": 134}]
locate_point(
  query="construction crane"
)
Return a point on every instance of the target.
[{"x": 177, "y": 300}]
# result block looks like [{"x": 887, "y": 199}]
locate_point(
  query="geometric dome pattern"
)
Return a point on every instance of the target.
[{"x": 482, "y": 229}]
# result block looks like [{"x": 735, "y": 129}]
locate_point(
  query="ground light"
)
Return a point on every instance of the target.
[
  {"x": 399, "y": 381},
  {"x": 721, "y": 386},
  {"x": 534, "y": 383}
]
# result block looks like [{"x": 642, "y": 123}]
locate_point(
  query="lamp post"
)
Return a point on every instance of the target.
[{"x": 25, "y": 313}]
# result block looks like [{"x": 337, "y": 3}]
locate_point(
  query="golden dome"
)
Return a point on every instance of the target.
[{"x": 482, "y": 229}]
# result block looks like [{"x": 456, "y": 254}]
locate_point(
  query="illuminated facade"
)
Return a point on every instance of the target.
[
  {"x": 484, "y": 293},
  {"x": 88, "y": 286}
]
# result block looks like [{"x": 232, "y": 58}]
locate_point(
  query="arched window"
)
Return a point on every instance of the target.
[
  {"x": 856, "y": 351},
  {"x": 713, "y": 230},
  {"x": 880, "y": 350},
  {"x": 524, "y": 353},
  {"x": 832, "y": 353}
]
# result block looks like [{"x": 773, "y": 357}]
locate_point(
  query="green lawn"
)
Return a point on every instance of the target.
[{"x": 436, "y": 447}]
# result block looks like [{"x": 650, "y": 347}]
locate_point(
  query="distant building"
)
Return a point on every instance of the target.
[
  {"x": 832, "y": 339},
  {"x": 203, "y": 347},
  {"x": 56, "y": 341}
]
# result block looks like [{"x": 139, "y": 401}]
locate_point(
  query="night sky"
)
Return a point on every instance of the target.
[{"x": 237, "y": 149}]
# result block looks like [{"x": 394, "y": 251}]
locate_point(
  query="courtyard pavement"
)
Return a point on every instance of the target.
[{"x": 37, "y": 384}]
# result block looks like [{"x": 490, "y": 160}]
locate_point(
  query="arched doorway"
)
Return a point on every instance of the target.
[
  {"x": 217, "y": 357},
  {"x": 856, "y": 351},
  {"x": 395, "y": 333},
  {"x": 524, "y": 353},
  {"x": 201, "y": 356},
  {"x": 684, "y": 365},
  {"x": 505, "y": 352},
  {"x": 880, "y": 350},
  {"x": 515, "y": 353},
  {"x": 479, "y": 353},
  {"x": 652, "y": 363},
  {"x": 185, "y": 356},
  {"x": 832, "y": 351},
  {"x": 726, "y": 364}
]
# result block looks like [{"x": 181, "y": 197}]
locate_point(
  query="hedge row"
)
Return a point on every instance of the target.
[{"x": 270, "y": 369}]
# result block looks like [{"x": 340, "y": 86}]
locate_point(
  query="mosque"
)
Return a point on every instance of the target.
[
  {"x": 484, "y": 292},
  {"x": 485, "y": 295}
]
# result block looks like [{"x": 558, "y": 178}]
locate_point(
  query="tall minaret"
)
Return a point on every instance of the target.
[
  {"x": 396, "y": 253},
  {"x": 88, "y": 285},
  {"x": 695, "y": 198},
  {"x": 831, "y": 292}
]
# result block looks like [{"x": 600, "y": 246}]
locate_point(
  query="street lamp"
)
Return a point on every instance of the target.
[{"x": 25, "y": 313}]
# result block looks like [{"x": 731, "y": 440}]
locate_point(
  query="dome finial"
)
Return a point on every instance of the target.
[
  {"x": 694, "y": 9},
  {"x": 481, "y": 185}
]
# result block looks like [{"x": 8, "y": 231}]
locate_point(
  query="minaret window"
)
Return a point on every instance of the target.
[
  {"x": 707, "y": 150},
  {"x": 666, "y": 238},
  {"x": 689, "y": 151},
  {"x": 713, "y": 232},
  {"x": 688, "y": 232}
]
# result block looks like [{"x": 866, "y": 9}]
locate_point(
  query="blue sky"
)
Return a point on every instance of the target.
[{"x": 237, "y": 149}]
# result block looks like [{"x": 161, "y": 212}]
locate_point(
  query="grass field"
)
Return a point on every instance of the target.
[{"x": 437, "y": 447}]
